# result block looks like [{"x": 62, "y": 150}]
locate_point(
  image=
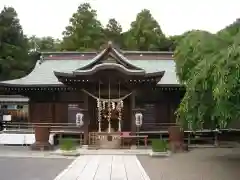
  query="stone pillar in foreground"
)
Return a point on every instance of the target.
[
  {"x": 41, "y": 116},
  {"x": 41, "y": 138},
  {"x": 176, "y": 139}
]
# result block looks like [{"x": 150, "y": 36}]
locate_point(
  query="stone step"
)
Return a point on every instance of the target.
[{"x": 93, "y": 147}]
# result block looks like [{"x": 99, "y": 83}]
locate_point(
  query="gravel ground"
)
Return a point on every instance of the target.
[
  {"x": 31, "y": 168},
  {"x": 198, "y": 164}
]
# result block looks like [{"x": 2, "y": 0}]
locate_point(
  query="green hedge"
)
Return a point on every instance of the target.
[
  {"x": 67, "y": 144},
  {"x": 159, "y": 145}
]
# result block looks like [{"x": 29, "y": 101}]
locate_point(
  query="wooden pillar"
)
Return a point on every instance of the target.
[
  {"x": 86, "y": 119},
  {"x": 41, "y": 113},
  {"x": 133, "y": 104}
]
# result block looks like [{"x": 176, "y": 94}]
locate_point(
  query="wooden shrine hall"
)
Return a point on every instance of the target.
[{"x": 100, "y": 92}]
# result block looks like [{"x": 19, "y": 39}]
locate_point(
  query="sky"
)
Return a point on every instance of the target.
[{"x": 50, "y": 17}]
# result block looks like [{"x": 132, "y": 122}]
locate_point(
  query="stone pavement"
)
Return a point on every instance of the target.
[{"x": 104, "y": 167}]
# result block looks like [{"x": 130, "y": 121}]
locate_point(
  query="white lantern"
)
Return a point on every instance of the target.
[
  {"x": 79, "y": 119},
  {"x": 138, "y": 119},
  {"x": 7, "y": 117}
]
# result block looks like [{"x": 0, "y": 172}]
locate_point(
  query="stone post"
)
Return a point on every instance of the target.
[
  {"x": 41, "y": 113},
  {"x": 41, "y": 138},
  {"x": 176, "y": 139}
]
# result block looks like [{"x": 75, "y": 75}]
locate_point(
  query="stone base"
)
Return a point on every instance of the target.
[
  {"x": 39, "y": 146},
  {"x": 85, "y": 146},
  {"x": 109, "y": 140},
  {"x": 110, "y": 144},
  {"x": 133, "y": 147},
  {"x": 70, "y": 153},
  {"x": 176, "y": 147},
  {"x": 160, "y": 154}
]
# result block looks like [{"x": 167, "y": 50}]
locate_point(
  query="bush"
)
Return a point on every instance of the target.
[
  {"x": 159, "y": 145},
  {"x": 67, "y": 144}
]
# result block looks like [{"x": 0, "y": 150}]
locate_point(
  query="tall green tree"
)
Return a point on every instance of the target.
[
  {"x": 174, "y": 41},
  {"x": 113, "y": 31},
  {"x": 44, "y": 44},
  {"x": 84, "y": 32},
  {"x": 145, "y": 33},
  {"x": 14, "y": 58},
  {"x": 209, "y": 68},
  {"x": 192, "y": 50},
  {"x": 230, "y": 34}
]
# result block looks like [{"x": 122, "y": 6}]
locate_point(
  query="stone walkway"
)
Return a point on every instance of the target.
[{"x": 104, "y": 167}]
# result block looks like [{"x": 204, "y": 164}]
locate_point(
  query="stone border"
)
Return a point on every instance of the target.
[
  {"x": 81, "y": 151},
  {"x": 66, "y": 153},
  {"x": 160, "y": 154}
]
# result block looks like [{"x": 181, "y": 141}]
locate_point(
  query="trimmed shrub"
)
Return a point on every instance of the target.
[
  {"x": 67, "y": 144},
  {"x": 159, "y": 145}
]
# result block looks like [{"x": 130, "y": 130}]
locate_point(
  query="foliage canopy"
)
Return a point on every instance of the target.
[{"x": 208, "y": 66}]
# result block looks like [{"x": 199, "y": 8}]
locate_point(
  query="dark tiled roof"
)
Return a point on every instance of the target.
[
  {"x": 67, "y": 62},
  {"x": 43, "y": 73}
]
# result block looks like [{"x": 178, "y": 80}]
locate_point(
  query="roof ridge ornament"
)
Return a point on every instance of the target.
[{"x": 110, "y": 44}]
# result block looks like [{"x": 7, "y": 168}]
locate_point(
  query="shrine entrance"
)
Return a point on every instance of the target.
[
  {"x": 125, "y": 124},
  {"x": 109, "y": 107},
  {"x": 110, "y": 82},
  {"x": 110, "y": 114}
]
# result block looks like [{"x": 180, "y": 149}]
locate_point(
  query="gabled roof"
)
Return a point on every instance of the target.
[
  {"x": 43, "y": 73},
  {"x": 110, "y": 59},
  {"x": 110, "y": 52}
]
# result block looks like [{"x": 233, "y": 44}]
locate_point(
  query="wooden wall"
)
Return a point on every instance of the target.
[
  {"x": 41, "y": 112},
  {"x": 54, "y": 111},
  {"x": 158, "y": 108}
]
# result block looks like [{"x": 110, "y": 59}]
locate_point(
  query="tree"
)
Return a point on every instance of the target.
[
  {"x": 44, "y": 44},
  {"x": 174, "y": 40},
  {"x": 231, "y": 32},
  {"x": 13, "y": 46},
  {"x": 209, "y": 67},
  {"x": 192, "y": 50},
  {"x": 226, "y": 86},
  {"x": 113, "y": 31},
  {"x": 85, "y": 32},
  {"x": 145, "y": 33}
]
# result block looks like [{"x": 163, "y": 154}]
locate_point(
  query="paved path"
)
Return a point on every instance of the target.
[
  {"x": 198, "y": 164},
  {"x": 104, "y": 167},
  {"x": 31, "y": 169}
]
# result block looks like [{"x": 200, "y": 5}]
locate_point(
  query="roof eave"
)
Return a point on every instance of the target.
[
  {"x": 63, "y": 74},
  {"x": 170, "y": 85},
  {"x": 6, "y": 85}
]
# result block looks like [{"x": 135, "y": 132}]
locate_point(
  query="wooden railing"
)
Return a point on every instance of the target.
[
  {"x": 156, "y": 126},
  {"x": 155, "y": 130},
  {"x": 25, "y": 125},
  {"x": 60, "y": 130}
]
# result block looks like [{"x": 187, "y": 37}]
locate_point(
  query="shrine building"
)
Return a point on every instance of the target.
[{"x": 106, "y": 89}]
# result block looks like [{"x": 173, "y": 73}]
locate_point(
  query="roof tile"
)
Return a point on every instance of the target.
[{"x": 43, "y": 73}]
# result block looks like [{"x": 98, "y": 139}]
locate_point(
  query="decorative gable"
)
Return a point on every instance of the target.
[{"x": 110, "y": 55}]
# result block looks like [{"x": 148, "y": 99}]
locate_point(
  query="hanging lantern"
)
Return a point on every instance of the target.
[
  {"x": 7, "y": 117},
  {"x": 138, "y": 119},
  {"x": 79, "y": 119}
]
